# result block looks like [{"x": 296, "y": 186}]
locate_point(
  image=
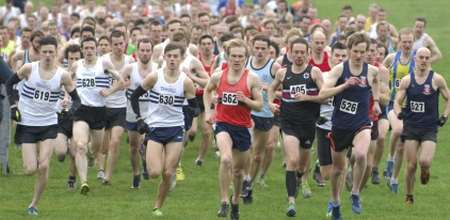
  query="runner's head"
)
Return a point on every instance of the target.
[
  {"x": 72, "y": 53},
  {"x": 419, "y": 26},
  {"x": 372, "y": 53},
  {"x": 274, "y": 50},
  {"x": 103, "y": 45},
  {"x": 206, "y": 44},
  {"x": 237, "y": 53},
  {"x": 422, "y": 57},
  {"x": 173, "y": 55},
  {"x": 338, "y": 53},
  {"x": 144, "y": 50},
  {"x": 48, "y": 49},
  {"x": 358, "y": 44},
  {"x": 89, "y": 48},
  {"x": 260, "y": 47},
  {"x": 318, "y": 40},
  {"x": 35, "y": 38},
  {"x": 405, "y": 40},
  {"x": 117, "y": 40},
  {"x": 298, "y": 50}
]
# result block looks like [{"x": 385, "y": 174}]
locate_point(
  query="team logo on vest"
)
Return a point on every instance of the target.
[
  {"x": 426, "y": 89},
  {"x": 363, "y": 81},
  {"x": 306, "y": 75}
]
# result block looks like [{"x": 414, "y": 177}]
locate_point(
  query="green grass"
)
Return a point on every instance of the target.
[{"x": 197, "y": 196}]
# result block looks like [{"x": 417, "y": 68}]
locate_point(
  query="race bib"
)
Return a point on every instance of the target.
[
  {"x": 166, "y": 99},
  {"x": 294, "y": 89},
  {"x": 417, "y": 107},
  {"x": 348, "y": 106},
  {"x": 41, "y": 95},
  {"x": 330, "y": 101},
  {"x": 229, "y": 98},
  {"x": 88, "y": 82}
]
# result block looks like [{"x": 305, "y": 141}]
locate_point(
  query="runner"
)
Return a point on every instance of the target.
[
  {"x": 421, "y": 117},
  {"x": 351, "y": 83},
  {"x": 299, "y": 111},
  {"x": 239, "y": 92},
  {"x": 38, "y": 96},
  {"x": 164, "y": 126}
]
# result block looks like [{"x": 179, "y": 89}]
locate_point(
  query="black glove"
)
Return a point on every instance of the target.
[
  {"x": 142, "y": 127},
  {"x": 442, "y": 120},
  {"x": 321, "y": 120},
  {"x": 15, "y": 113},
  {"x": 401, "y": 115}
]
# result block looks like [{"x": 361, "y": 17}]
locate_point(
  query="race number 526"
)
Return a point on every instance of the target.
[{"x": 348, "y": 106}]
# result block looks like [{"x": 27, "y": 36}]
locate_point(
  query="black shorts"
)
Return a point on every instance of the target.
[
  {"x": 323, "y": 147},
  {"x": 343, "y": 138},
  {"x": 65, "y": 124},
  {"x": 419, "y": 134},
  {"x": 240, "y": 136},
  {"x": 115, "y": 117},
  {"x": 165, "y": 135},
  {"x": 93, "y": 116},
  {"x": 34, "y": 134},
  {"x": 200, "y": 103},
  {"x": 305, "y": 132},
  {"x": 262, "y": 123},
  {"x": 188, "y": 119},
  {"x": 132, "y": 126},
  {"x": 384, "y": 111},
  {"x": 276, "y": 120},
  {"x": 374, "y": 131}
]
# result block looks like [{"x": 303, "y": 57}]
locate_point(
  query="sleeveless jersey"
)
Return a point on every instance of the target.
[
  {"x": 117, "y": 99},
  {"x": 422, "y": 100},
  {"x": 324, "y": 66},
  {"x": 293, "y": 83},
  {"x": 228, "y": 109},
  {"x": 90, "y": 81},
  {"x": 351, "y": 110},
  {"x": 326, "y": 109},
  {"x": 264, "y": 73},
  {"x": 419, "y": 42},
  {"x": 208, "y": 67},
  {"x": 165, "y": 108},
  {"x": 135, "y": 81},
  {"x": 38, "y": 97},
  {"x": 398, "y": 71}
]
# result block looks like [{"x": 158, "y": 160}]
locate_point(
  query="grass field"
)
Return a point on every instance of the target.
[{"x": 197, "y": 196}]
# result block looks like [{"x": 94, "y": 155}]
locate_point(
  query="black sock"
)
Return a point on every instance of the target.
[{"x": 291, "y": 183}]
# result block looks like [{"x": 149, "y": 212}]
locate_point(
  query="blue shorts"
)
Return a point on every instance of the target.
[
  {"x": 240, "y": 136},
  {"x": 165, "y": 135},
  {"x": 131, "y": 126},
  {"x": 188, "y": 119},
  {"x": 262, "y": 123}
]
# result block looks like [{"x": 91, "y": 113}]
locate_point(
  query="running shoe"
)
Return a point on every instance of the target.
[
  {"x": 157, "y": 212},
  {"x": 249, "y": 198},
  {"x": 71, "y": 183},
  {"x": 180, "y": 174},
  {"x": 291, "y": 210},
  {"x": 100, "y": 175},
  {"x": 234, "y": 214},
  {"x": 223, "y": 211},
  {"x": 246, "y": 185},
  {"x": 306, "y": 190},
  {"x": 389, "y": 169},
  {"x": 84, "y": 189},
  {"x": 356, "y": 204},
  {"x": 329, "y": 209},
  {"x": 136, "y": 182},
  {"x": 424, "y": 176},
  {"x": 336, "y": 213},
  {"x": 317, "y": 176},
  {"x": 145, "y": 174},
  {"x": 393, "y": 187},
  {"x": 409, "y": 199},
  {"x": 375, "y": 176},
  {"x": 32, "y": 211},
  {"x": 198, "y": 162}
]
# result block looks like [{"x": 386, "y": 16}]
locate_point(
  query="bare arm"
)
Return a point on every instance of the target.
[
  {"x": 329, "y": 88},
  {"x": 210, "y": 88},
  {"x": 256, "y": 102},
  {"x": 383, "y": 78},
  {"x": 387, "y": 62},
  {"x": 435, "y": 52},
  {"x": 443, "y": 89},
  {"x": 189, "y": 89},
  {"x": 316, "y": 75},
  {"x": 373, "y": 71},
  {"x": 401, "y": 94},
  {"x": 201, "y": 76}
]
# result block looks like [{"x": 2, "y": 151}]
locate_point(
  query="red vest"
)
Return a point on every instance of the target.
[
  {"x": 324, "y": 66},
  {"x": 228, "y": 109}
]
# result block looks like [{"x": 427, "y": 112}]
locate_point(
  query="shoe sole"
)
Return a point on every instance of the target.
[
  {"x": 84, "y": 190},
  {"x": 291, "y": 213}
]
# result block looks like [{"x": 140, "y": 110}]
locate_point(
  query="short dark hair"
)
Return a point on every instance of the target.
[
  {"x": 75, "y": 30},
  {"x": 103, "y": 37},
  {"x": 48, "y": 40},
  {"x": 205, "y": 36},
  {"x": 338, "y": 46},
  {"x": 174, "y": 21},
  {"x": 261, "y": 37},
  {"x": 116, "y": 34},
  {"x": 72, "y": 48},
  {"x": 201, "y": 14},
  {"x": 25, "y": 29},
  {"x": 226, "y": 37},
  {"x": 35, "y": 34},
  {"x": 135, "y": 29},
  {"x": 276, "y": 47},
  {"x": 88, "y": 29},
  {"x": 357, "y": 38},
  {"x": 144, "y": 41},
  {"x": 87, "y": 39},
  {"x": 174, "y": 46},
  {"x": 347, "y": 7},
  {"x": 299, "y": 40},
  {"x": 422, "y": 19}
]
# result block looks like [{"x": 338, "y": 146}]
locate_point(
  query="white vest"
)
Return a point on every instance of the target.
[
  {"x": 165, "y": 107},
  {"x": 90, "y": 81},
  {"x": 135, "y": 81},
  {"x": 117, "y": 99},
  {"x": 38, "y": 98}
]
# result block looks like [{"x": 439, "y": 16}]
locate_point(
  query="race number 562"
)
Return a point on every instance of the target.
[{"x": 229, "y": 98}]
